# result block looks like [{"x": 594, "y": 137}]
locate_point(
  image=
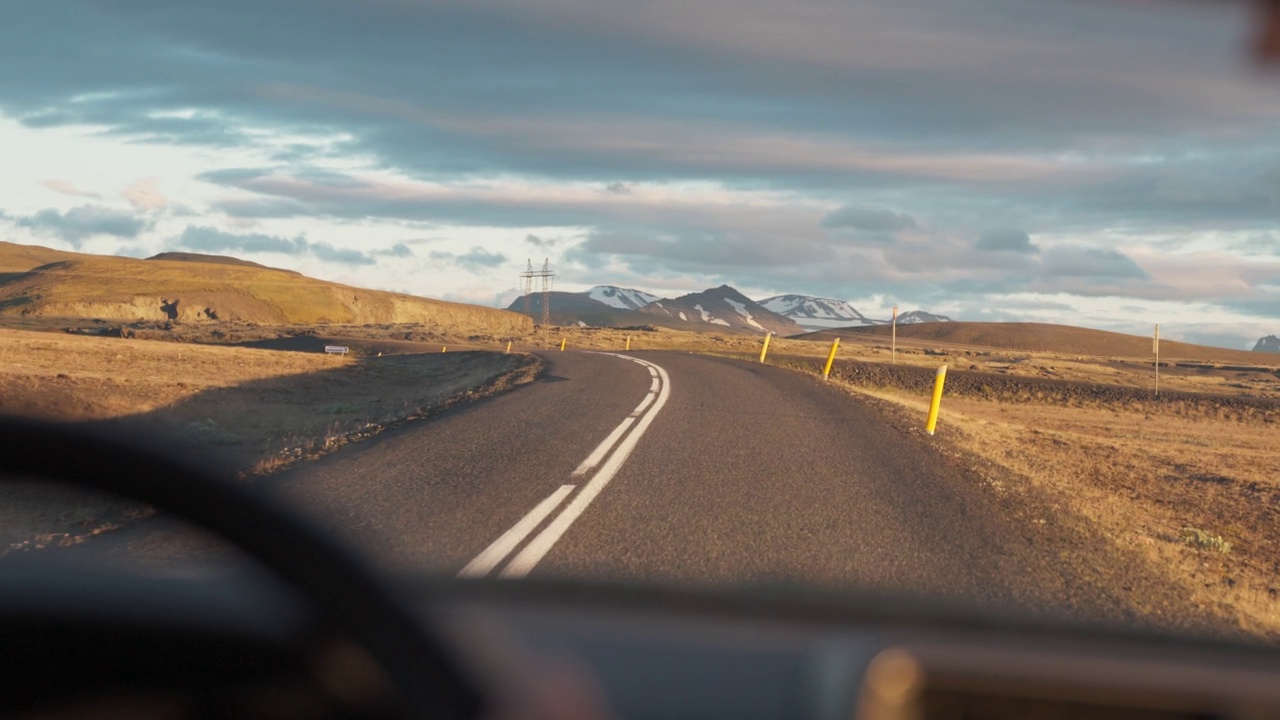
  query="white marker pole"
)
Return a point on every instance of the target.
[
  {"x": 1155, "y": 348},
  {"x": 893, "y": 351}
]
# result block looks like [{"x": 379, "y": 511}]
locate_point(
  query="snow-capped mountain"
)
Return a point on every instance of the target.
[
  {"x": 621, "y": 298},
  {"x": 726, "y": 307},
  {"x": 1270, "y": 343},
  {"x": 920, "y": 316},
  {"x": 721, "y": 308},
  {"x": 815, "y": 313}
]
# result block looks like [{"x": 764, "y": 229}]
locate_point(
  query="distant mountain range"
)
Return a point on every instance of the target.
[
  {"x": 722, "y": 307},
  {"x": 1268, "y": 344}
]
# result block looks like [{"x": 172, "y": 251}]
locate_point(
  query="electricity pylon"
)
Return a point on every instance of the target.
[{"x": 546, "y": 275}]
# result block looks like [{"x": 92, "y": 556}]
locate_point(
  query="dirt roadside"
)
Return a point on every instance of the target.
[{"x": 258, "y": 410}]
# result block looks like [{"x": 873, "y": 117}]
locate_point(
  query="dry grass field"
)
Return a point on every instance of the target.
[
  {"x": 257, "y": 410},
  {"x": 1033, "y": 337},
  {"x": 370, "y": 339},
  {"x": 1197, "y": 369},
  {"x": 1195, "y": 492}
]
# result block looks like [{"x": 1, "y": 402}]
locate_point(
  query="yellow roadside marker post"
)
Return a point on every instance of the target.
[
  {"x": 628, "y": 342},
  {"x": 508, "y": 346},
  {"x": 765, "y": 350},
  {"x": 444, "y": 348},
  {"x": 562, "y": 342},
  {"x": 831, "y": 357},
  {"x": 938, "y": 380}
]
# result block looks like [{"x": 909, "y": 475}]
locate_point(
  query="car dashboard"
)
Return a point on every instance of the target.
[
  {"x": 670, "y": 654},
  {"x": 172, "y": 648}
]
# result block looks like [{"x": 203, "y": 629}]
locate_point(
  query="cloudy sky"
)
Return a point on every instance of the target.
[{"x": 1104, "y": 163}]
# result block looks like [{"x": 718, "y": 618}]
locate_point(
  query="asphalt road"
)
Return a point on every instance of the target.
[{"x": 728, "y": 473}]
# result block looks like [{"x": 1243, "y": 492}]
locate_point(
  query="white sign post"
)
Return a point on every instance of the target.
[
  {"x": 1155, "y": 348},
  {"x": 893, "y": 350}
]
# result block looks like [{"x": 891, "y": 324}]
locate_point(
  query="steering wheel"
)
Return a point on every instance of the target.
[{"x": 430, "y": 681}]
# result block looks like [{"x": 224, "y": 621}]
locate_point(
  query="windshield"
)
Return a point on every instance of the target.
[{"x": 971, "y": 302}]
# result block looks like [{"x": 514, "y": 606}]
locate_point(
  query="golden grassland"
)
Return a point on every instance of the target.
[
  {"x": 1204, "y": 374},
  {"x": 1195, "y": 493},
  {"x": 1034, "y": 337}
]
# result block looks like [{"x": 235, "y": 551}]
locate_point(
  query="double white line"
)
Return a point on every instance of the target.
[{"x": 527, "y": 558}]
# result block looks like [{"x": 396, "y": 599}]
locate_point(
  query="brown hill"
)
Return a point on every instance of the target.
[
  {"x": 93, "y": 286},
  {"x": 15, "y": 258},
  {"x": 214, "y": 259},
  {"x": 1040, "y": 337}
]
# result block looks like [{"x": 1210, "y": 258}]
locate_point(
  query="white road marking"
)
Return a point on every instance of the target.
[
  {"x": 603, "y": 448},
  {"x": 541, "y": 544},
  {"x": 607, "y": 444},
  {"x": 648, "y": 398},
  {"x": 545, "y": 540},
  {"x": 494, "y": 554}
]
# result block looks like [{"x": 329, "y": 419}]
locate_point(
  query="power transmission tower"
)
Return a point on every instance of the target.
[
  {"x": 546, "y": 275},
  {"x": 527, "y": 276}
]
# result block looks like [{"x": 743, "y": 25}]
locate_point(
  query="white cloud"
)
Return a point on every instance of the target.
[
  {"x": 145, "y": 194},
  {"x": 68, "y": 188}
]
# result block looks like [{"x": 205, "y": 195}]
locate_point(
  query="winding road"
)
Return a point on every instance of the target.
[{"x": 696, "y": 470}]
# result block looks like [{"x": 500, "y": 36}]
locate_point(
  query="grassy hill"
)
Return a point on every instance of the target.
[
  {"x": 1038, "y": 337},
  {"x": 16, "y": 259},
  {"x": 214, "y": 259},
  {"x": 44, "y": 282}
]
